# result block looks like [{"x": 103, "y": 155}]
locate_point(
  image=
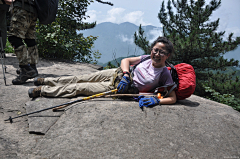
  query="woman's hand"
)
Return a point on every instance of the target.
[
  {"x": 123, "y": 84},
  {"x": 148, "y": 101}
]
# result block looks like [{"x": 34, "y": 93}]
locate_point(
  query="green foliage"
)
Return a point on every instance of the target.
[
  {"x": 109, "y": 65},
  {"x": 96, "y": 56},
  {"x": 227, "y": 99},
  {"x": 60, "y": 40},
  {"x": 8, "y": 48},
  {"x": 224, "y": 83},
  {"x": 141, "y": 41},
  {"x": 195, "y": 38}
]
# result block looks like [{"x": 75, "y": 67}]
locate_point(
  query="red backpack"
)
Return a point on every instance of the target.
[{"x": 184, "y": 79}]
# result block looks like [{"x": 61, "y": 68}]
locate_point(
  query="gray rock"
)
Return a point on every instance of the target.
[
  {"x": 40, "y": 123},
  {"x": 108, "y": 128}
]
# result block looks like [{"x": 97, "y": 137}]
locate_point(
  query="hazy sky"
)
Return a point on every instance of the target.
[{"x": 145, "y": 12}]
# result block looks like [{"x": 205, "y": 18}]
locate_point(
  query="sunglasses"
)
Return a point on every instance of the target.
[{"x": 161, "y": 52}]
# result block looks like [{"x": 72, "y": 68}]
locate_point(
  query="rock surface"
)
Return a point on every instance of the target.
[{"x": 108, "y": 128}]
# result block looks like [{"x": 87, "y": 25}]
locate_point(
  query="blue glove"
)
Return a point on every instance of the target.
[
  {"x": 123, "y": 84},
  {"x": 140, "y": 97},
  {"x": 148, "y": 101}
]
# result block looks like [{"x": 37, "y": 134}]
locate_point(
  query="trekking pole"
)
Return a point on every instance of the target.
[
  {"x": 159, "y": 96},
  {"x": 62, "y": 105},
  {"x": 2, "y": 58}
]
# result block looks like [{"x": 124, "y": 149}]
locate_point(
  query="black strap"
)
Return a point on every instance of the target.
[
  {"x": 173, "y": 72},
  {"x": 166, "y": 91}
]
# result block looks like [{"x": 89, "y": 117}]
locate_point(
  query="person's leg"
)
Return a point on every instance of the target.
[
  {"x": 100, "y": 76},
  {"x": 33, "y": 56},
  {"x": 32, "y": 53},
  {"x": 72, "y": 90},
  {"x": 18, "y": 27}
]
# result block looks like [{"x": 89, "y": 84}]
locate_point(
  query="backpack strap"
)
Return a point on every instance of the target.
[
  {"x": 173, "y": 72},
  {"x": 164, "y": 89},
  {"x": 173, "y": 86}
]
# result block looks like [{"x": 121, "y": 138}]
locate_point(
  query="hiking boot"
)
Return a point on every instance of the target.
[
  {"x": 34, "y": 92},
  {"x": 38, "y": 81},
  {"x": 24, "y": 76},
  {"x": 19, "y": 69},
  {"x": 34, "y": 67}
]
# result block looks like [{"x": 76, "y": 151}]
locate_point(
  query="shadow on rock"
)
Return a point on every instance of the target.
[{"x": 188, "y": 103}]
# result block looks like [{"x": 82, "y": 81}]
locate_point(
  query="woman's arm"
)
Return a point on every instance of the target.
[
  {"x": 171, "y": 99},
  {"x": 125, "y": 63}
]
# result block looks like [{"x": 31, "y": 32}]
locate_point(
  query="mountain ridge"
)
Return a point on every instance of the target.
[{"x": 117, "y": 40}]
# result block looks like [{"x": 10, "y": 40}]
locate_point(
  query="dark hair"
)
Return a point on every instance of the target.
[{"x": 168, "y": 44}]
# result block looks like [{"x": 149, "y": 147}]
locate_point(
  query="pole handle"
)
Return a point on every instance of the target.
[
  {"x": 55, "y": 109},
  {"x": 159, "y": 96}
]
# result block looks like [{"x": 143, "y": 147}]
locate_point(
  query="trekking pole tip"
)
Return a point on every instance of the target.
[{"x": 10, "y": 119}]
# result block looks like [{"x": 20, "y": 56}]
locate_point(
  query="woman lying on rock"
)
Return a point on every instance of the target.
[{"x": 148, "y": 75}]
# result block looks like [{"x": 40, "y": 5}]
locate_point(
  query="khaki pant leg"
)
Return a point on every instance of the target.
[
  {"x": 100, "y": 76},
  {"x": 72, "y": 90}
]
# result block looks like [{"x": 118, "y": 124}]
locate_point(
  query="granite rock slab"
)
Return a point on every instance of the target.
[
  {"x": 40, "y": 123},
  {"x": 193, "y": 128}
]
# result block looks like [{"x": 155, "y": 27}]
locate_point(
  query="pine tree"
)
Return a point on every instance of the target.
[
  {"x": 197, "y": 42},
  {"x": 141, "y": 41}
]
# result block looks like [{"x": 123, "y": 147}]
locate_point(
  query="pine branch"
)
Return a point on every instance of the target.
[{"x": 109, "y": 3}]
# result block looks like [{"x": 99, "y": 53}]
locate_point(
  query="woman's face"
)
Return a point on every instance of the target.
[{"x": 159, "y": 55}]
